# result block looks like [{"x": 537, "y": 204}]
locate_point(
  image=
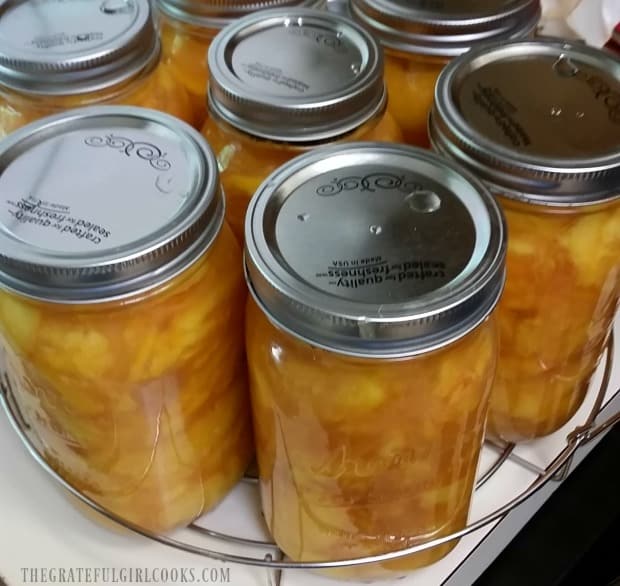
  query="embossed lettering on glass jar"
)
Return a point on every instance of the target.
[
  {"x": 374, "y": 269},
  {"x": 57, "y": 55},
  {"x": 283, "y": 82},
  {"x": 187, "y": 28},
  {"x": 121, "y": 310},
  {"x": 550, "y": 150},
  {"x": 421, "y": 36}
]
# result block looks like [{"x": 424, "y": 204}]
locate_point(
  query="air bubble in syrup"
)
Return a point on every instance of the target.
[
  {"x": 580, "y": 115},
  {"x": 376, "y": 230},
  {"x": 423, "y": 202},
  {"x": 303, "y": 217},
  {"x": 555, "y": 111}
]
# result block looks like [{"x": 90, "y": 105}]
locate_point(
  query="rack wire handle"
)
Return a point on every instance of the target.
[{"x": 590, "y": 430}]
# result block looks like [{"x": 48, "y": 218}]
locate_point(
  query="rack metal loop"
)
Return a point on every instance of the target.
[{"x": 557, "y": 469}]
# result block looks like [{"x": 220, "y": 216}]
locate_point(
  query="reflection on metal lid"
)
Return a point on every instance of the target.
[
  {"x": 295, "y": 75},
  {"x": 374, "y": 249},
  {"x": 60, "y": 47},
  {"x": 216, "y": 14},
  {"x": 446, "y": 27},
  {"x": 142, "y": 202},
  {"x": 552, "y": 139}
]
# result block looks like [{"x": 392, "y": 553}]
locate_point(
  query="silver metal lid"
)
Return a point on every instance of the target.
[
  {"x": 339, "y": 7},
  {"x": 539, "y": 120},
  {"x": 216, "y": 14},
  {"x": 446, "y": 27},
  {"x": 372, "y": 249},
  {"x": 60, "y": 47},
  {"x": 102, "y": 202},
  {"x": 295, "y": 75}
]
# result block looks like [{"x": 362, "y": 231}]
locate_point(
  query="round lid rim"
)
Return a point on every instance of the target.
[
  {"x": 517, "y": 192},
  {"x": 47, "y": 124},
  {"x": 230, "y": 83},
  {"x": 209, "y": 23},
  {"x": 210, "y": 20},
  {"x": 399, "y": 349},
  {"x": 302, "y": 135},
  {"x": 33, "y": 257},
  {"x": 450, "y": 40},
  {"x": 296, "y": 102},
  {"x": 447, "y": 48},
  {"x": 434, "y": 18},
  {"x": 118, "y": 60},
  {"x": 446, "y": 119},
  {"x": 259, "y": 259},
  {"x": 235, "y": 99},
  {"x": 383, "y": 316},
  {"x": 128, "y": 288},
  {"x": 95, "y": 83}
]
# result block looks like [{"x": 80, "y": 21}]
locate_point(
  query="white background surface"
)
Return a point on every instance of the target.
[{"x": 39, "y": 527}]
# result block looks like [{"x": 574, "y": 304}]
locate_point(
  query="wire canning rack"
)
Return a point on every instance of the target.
[{"x": 275, "y": 560}]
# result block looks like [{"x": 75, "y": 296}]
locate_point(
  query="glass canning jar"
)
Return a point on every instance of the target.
[
  {"x": 549, "y": 149},
  {"x": 57, "y": 55},
  {"x": 421, "y": 36},
  {"x": 373, "y": 269},
  {"x": 187, "y": 28},
  {"x": 121, "y": 311},
  {"x": 284, "y": 82}
]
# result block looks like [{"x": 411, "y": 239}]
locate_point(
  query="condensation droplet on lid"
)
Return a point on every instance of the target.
[
  {"x": 423, "y": 202},
  {"x": 303, "y": 217},
  {"x": 164, "y": 184},
  {"x": 376, "y": 229}
]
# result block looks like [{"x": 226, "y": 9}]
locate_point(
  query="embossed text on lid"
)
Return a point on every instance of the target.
[
  {"x": 101, "y": 202},
  {"x": 295, "y": 75},
  {"x": 554, "y": 139},
  {"x": 446, "y": 27},
  {"x": 56, "y": 46},
  {"x": 373, "y": 249}
]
